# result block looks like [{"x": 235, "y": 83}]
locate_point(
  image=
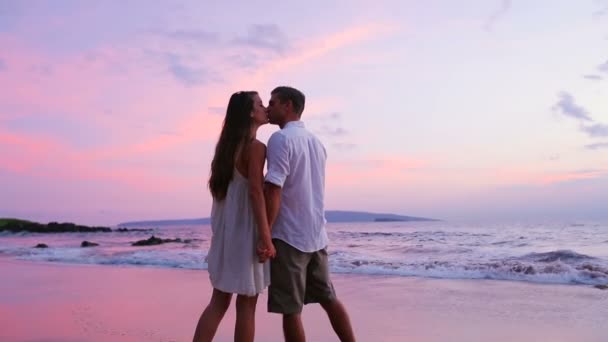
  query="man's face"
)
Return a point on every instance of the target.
[{"x": 276, "y": 110}]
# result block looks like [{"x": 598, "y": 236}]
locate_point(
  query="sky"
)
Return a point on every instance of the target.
[{"x": 494, "y": 109}]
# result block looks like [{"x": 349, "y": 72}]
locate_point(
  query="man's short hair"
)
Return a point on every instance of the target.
[{"x": 296, "y": 97}]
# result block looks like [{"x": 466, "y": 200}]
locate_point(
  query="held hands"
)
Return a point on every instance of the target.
[{"x": 265, "y": 250}]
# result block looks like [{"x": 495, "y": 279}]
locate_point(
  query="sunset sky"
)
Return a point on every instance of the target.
[{"x": 110, "y": 110}]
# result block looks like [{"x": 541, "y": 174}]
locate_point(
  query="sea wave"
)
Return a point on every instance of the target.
[
  {"x": 561, "y": 255},
  {"x": 541, "y": 254},
  {"x": 558, "y": 267},
  {"x": 434, "y": 234},
  {"x": 185, "y": 257}
]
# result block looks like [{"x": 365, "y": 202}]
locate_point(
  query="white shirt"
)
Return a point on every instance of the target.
[{"x": 296, "y": 163}]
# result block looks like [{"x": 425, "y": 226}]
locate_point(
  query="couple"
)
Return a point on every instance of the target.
[{"x": 278, "y": 217}]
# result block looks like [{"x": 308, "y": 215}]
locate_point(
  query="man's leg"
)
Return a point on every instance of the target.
[
  {"x": 319, "y": 289},
  {"x": 339, "y": 320},
  {"x": 287, "y": 286}
]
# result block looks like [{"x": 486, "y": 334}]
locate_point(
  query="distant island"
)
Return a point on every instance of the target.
[
  {"x": 17, "y": 225},
  {"x": 384, "y": 219},
  {"x": 332, "y": 216}
]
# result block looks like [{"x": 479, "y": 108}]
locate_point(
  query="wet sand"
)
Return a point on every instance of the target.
[{"x": 48, "y": 302}]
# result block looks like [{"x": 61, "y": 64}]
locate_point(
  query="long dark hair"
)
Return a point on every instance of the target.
[{"x": 236, "y": 131}]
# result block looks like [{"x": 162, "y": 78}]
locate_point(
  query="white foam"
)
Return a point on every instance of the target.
[{"x": 556, "y": 272}]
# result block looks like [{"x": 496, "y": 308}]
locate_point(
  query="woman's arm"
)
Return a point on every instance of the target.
[
  {"x": 272, "y": 193},
  {"x": 257, "y": 157}
]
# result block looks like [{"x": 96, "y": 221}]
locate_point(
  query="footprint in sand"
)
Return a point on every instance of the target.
[{"x": 83, "y": 316}]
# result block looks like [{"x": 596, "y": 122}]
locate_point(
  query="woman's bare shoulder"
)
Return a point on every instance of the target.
[{"x": 256, "y": 147}]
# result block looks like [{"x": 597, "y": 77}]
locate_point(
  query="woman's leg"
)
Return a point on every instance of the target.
[
  {"x": 212, "y": 316},
  {"x": 244, "y": 329}
]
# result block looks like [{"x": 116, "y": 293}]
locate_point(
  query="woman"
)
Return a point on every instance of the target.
[{"x": 238, "y": 219}]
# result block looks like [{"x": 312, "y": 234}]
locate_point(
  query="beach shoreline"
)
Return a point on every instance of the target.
[{"x": 42, "y": 301}]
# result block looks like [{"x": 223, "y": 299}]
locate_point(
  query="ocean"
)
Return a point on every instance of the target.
[{"x": 573, "y": 253}]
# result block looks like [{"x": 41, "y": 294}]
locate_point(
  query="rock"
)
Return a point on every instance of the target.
[
  {"x": 41, "y": 245},
  {"x": 71, "y": 227},
  {"x": 88, "y": 244},
  {"x": 153, "y": 240},
  {"x": 602, "y": 287},
  {"x": 523, "y": 269},
  {"x": 124, "y": 230},
  {"x": 149, "y": 242}
]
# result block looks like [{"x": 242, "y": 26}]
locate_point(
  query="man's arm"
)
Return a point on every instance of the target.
[
  {"x": 257, "y": 156},
  {"x": 278, "y": 170}
]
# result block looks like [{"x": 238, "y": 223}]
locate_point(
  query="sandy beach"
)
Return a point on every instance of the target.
[{"x": 44, "y": 302}]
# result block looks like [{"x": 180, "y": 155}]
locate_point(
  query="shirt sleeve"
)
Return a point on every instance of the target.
[{"x": 278, "y": 160}]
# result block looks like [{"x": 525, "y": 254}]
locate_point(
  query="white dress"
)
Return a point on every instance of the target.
[{"x": 232, "y": 260}]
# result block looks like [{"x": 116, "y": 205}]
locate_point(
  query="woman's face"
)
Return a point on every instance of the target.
[{"x": 259, "y": 114}]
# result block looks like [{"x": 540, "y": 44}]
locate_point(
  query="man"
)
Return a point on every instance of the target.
[{"x": 294, "y": 191}]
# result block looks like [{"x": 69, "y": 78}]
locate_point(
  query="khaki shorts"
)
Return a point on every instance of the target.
[{"x": 298, "y": 278}]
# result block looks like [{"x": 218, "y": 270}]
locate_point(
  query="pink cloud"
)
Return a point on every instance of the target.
[
  {"x": 527, "y": 176},
  {"x": 375, "y": 170},
  {"x": 315, "y": 48},
  {"x": 37, "y": 82},
  {"x": 206, "y": 126},
  {"x": 48, "y": 158},
  {"x": 17, "y": 149},
  {"x": 86, "y": 85},
  {"x": 83, "y": 83},
  {"x": 571, "y": 176},
  {"x": 324, "y": 45},
  {"x": 80, "y": 85}
]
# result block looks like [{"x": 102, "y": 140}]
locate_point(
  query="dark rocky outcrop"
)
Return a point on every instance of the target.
[
  {"x": 124, "y": 230},
  {"x": 153, "y": 240},
  {"x": 88, "y": 244},
  {"x": 15, "y": 225},
  {"x": 602, "y": 287},
  {"x": 41, "y": 245}
]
